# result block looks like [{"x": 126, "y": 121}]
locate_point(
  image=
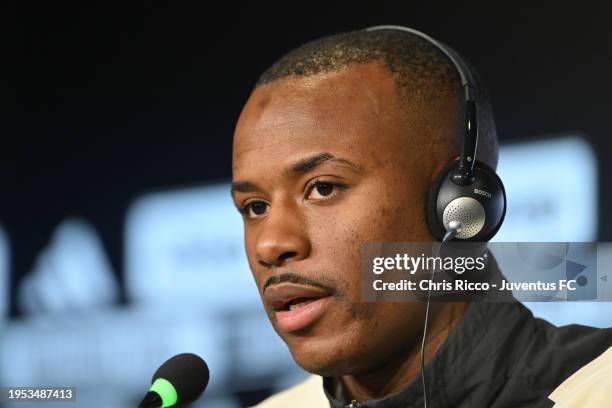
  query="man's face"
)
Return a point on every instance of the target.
[{"x": 321, "y": 165}]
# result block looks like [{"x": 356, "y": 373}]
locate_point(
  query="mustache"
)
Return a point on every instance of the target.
[{"x": 297, "y": 279}]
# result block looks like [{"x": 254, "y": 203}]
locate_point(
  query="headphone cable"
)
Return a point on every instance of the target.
[{"x": 453, "y": 229}]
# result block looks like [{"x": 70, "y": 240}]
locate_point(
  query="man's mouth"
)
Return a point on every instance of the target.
[
  {"x": 293, "y": 304},
  {"x": 296, "y": 306}
]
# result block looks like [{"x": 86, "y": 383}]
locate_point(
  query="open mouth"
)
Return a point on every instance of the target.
[
  {"x": 293, "y": 304},
  {"x": 296, "y": 306}
]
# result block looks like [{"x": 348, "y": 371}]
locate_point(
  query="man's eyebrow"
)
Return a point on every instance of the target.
[
  {"x": 242, "y": 187},
  {"x": 302, "y": 166},
  {"x": 307, "y": 164}
]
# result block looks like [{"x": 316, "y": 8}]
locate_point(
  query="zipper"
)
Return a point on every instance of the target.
[{"x": 353, "y": 404}]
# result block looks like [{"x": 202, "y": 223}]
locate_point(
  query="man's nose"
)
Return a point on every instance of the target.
[{"x": 283, "y": 237}]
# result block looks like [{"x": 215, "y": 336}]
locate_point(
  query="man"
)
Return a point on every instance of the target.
[{"x": 337, "y": 146}]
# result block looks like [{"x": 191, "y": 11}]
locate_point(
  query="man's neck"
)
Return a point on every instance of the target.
[{"x": 404, "y": 366}]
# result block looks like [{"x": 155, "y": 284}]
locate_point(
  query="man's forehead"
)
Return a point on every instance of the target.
[{"x": 347, "y": 105}]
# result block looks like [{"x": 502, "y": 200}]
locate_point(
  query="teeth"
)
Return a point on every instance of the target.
[{"x": 294, "y": 306}]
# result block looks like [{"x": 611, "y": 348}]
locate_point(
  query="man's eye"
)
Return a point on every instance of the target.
[
  {"x": 322, "y": 190},
  {"x": 254, "y": 209}
]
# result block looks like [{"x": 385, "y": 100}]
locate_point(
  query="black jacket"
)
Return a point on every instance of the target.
[{"x": 498, "y": 356}]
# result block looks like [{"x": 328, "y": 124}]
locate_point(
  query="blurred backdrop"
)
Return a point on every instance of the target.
[{"x": 119, "y": 244}]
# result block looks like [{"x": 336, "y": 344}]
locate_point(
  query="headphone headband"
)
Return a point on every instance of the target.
[
  {"x": 469, "y": 145},
  {"x": 467, "y": 79}
]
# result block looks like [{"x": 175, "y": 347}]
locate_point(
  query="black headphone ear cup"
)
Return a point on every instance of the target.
[
  {"x": 433, "y": 223},
  {"x": 486, "y": 194}
]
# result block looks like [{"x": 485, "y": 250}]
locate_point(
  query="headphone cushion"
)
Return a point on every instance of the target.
[{"x": 436, "y": 229}]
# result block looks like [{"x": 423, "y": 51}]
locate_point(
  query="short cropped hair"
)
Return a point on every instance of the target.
[{"x": 420, "y": 70}]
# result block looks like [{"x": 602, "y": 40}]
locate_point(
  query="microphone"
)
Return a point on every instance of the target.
[{"x": 181, "y": 379}]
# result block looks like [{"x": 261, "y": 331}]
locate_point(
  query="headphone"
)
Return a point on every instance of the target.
[{"x": 467, "y": 196}]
